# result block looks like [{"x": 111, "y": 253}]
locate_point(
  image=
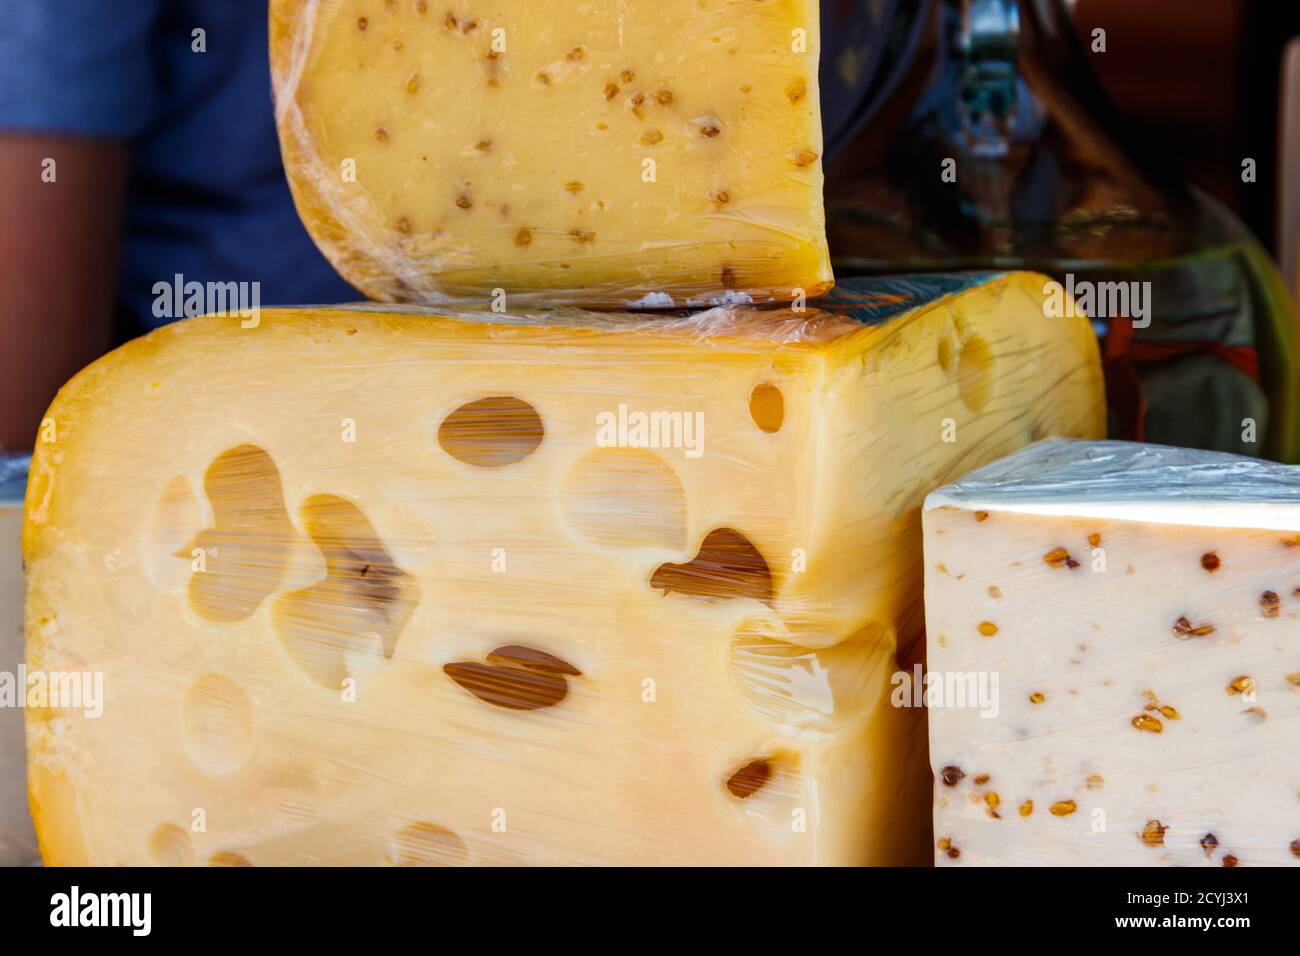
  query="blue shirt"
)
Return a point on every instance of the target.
[{"x": 207, "y": 197}]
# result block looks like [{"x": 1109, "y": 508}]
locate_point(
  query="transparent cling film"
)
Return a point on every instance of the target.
[
  {"x": 376, "y": 586},
  {"x": 639, "y": 154},
  {"x": 1113, "y": 638}
]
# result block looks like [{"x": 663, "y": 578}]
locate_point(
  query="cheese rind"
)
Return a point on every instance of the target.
[
  {"x": 1133, "y": 613},
  {"x": 370, "y": 586},
  {"x": 635, "y": 154}
]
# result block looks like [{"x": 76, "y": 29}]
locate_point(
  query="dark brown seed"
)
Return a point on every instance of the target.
[
  {"x": 1183, "y": 628},
  {"x": 951, "y": 776},
  {"x": 1270, "y": 605},
  {"x": 1295, "y": 847},
  {"x": 1153, "y": 834},
  {"x": 750, "y": 778},
  {"x": 362, "y": 23},
  {"x": 728, "y": 277},
  {"x": 1229, "y": 860},
  {"x": 1210, "y": 561},
  {"x": 464, "y": 201},
  {"x": 1209, "y": 843}
]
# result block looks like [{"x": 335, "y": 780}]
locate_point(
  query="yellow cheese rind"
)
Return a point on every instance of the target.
[
  {"x": 650, "y": 153},
  {"x": 667, "y": 620}
]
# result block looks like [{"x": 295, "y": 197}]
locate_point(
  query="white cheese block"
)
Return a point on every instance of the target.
[{"x": 1113, "y": 636}]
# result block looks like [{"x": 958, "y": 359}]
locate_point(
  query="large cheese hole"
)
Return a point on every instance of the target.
[
  {"x": 797, "y": 688},
  {"x": 767, "y": 407},
  {"x": 625, "y": 498},
  {"x": 169, "y": 845},
  {"x": 353, "y": 617},
  {"x": 217, "y": 724},
  {"x": 727, "y": 566},
  {"x": 491, "y": 432},
  {"x": 975, "y": 373},
  {"x": 427, "y": 844},
  {"x": 242, "y": 557}
]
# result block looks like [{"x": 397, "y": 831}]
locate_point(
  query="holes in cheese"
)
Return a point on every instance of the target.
[
  {"x": 625, "y": 498},
  {"x": 354, "y": 616},
  {"x": 795, "y": 687},
  {"x": 767, "y": 407},
  {"x": 523, "y": 575},
  {"x": 491, "y": 432},
  {"x": 169, "y": 845},
  {"x": 727, "y": 566},
  {"x": 242, "y": 557},
  {"x": 515, "y": 677},
  {"x": 975, "y": 373},
  {"x": 427, "y": 844},
  {"x": 750, "y": 778},
  {"x": 217, "y": 724}
]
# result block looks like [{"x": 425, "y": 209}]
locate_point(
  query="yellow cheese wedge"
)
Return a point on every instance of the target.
[
  {"x": 373, "y": 587},
  {"x": 654, "y": 152}
]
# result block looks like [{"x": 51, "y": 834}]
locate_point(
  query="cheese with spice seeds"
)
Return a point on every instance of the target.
[
  {"x": 1143, "y": 677},
  {"x": 646, "y": 153}
]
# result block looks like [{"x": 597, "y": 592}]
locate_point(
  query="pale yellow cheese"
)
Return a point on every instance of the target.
[
  {"x": 654, "y": 152},
  {"x": 373, "y": 587}
]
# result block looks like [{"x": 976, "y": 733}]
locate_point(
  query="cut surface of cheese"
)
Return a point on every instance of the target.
[
  {"x": 1114, "y": 656},
  {"x": 393, "y": 587},
  {"x": 17, "y": 841},
  {"x": 649, "y": 152}
]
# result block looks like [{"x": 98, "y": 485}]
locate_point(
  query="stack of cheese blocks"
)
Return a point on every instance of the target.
[{"x": 486, "y": 578}]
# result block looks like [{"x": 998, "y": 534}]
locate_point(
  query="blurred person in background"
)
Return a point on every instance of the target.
[{"x": 133, "y": 149}]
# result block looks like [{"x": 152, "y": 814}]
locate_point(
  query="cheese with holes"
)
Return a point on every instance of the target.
[
  {"x": 17, "y": 841},
  {"x": 1114, "y": 653},
  {"x": 646, "y": 152},
  {"x": 370, "y": 586}
]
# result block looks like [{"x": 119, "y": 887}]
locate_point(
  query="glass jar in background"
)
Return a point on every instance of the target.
[{"x": 988, "y": 142}]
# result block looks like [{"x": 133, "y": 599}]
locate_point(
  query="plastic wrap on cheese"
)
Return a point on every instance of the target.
[
  {"x": 376, "y": 587},
  {"x": 1114, "y": 659},
  {"x": 647, "y": 153},
  {"x": 17, "y": 841}
]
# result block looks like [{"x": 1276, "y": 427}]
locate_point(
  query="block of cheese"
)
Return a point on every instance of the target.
[
  {"x": 645, "y": 152},
  {"x": 17, "y": 841},
  {"x": 370, "y": 586},
  {"x": 1114, "y": 651}
]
